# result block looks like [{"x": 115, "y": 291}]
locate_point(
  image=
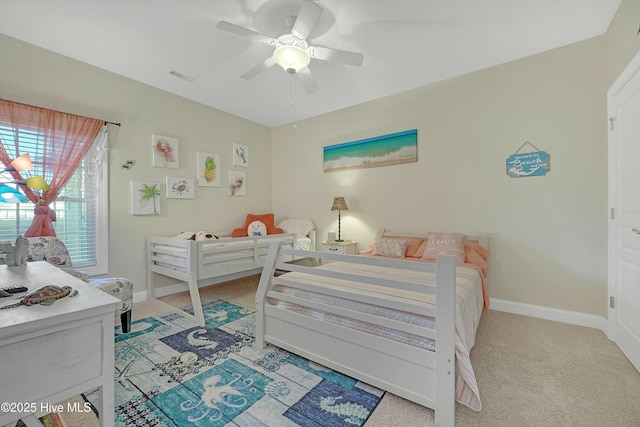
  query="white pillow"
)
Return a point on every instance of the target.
[
  {"x": 300, "y": 226},
  {"x": 257, "y": 228},
  {"x": 390, "y": 247}
]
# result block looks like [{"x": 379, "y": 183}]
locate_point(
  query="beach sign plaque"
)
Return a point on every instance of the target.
[
  {"x": 528, "y": 164},
  {"x": 400, "y": 147}
]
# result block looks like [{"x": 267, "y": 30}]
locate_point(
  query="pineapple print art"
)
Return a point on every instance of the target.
[{"x": 208, "y": 170}]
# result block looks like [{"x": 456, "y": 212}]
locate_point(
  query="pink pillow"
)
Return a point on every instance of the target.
[{"x": 445, "y": 244}]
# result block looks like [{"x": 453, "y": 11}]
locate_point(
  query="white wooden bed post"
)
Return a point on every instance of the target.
[
  {"x": 151, "y": 277},
  {"x": 192, "y": 281},
  {"x": 261, "y": 293},
  {"x": 445, "y": 411}
]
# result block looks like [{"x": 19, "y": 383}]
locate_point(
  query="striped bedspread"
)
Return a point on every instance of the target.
[{"x": 469, "y": 307}]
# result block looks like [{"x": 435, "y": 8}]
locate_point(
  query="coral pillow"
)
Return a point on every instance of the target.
[
  {"x": 268, "y": 220},
  {"x": 445, "y": 244},
  {"x": 474, "y": 253},
  {"x": 420, "y": 251}
]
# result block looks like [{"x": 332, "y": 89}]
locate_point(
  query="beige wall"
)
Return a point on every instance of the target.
[
  {"x": 548, "y": 233},
  {"x": 549, "y": 241},
  {"x": 35, "y": 76}
]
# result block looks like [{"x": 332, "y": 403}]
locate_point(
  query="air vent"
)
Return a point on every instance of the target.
[{"x": 181, "y": 76}]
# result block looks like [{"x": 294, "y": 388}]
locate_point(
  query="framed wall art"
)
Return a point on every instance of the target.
[
  {"x": 180, "y": 188},
  {"x": 165, "y": 152},
  {"x": 391, "y": 149},
  {"x": 209, "y": 170},
  {"x": 237, "y": 184},
  {"x": 240, "y": 155},
  {"x": 145, "y": 198}
]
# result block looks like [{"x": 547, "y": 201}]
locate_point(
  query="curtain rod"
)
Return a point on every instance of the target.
[{"x": 73, "y": 114}]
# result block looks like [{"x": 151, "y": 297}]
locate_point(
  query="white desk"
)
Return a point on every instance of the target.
[{"x": 51, "y": 353}]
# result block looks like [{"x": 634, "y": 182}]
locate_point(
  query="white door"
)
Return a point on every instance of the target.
[{"x": 624, "y": 221}]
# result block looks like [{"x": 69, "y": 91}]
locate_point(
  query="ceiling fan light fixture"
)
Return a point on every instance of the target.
[{"x": 291, "y": 58}]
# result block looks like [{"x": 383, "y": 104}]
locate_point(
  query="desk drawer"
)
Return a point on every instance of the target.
[{"x": 43, "y": 365}]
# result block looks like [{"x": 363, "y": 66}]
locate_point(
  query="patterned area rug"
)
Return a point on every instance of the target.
[{"x": 170, "y": 373}]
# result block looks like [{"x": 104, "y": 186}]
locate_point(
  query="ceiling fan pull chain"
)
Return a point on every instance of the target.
[{"x": 292, "y": 97}]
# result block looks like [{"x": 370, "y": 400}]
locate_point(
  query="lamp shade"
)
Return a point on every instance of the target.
[
  {"x": 339, "y": 204},
  {"x": 22, "y": 163},
  {"x": 37, "y": 182},
  {"x": 11, "y": 195}
]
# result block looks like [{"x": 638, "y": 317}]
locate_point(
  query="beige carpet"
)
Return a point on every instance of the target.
[{"x": 531, "y": 372}]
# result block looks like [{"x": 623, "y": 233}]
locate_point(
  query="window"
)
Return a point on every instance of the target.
[{"x": 81, "y": 207}]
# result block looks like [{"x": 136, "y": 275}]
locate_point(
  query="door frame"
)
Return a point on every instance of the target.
[{"x": 613, "y": 287}]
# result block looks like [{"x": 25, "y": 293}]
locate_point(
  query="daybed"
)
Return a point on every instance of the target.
[
  {"x": 374, "y": 318},
  {"x": 207, "y": 262},
  {"x": 305, "y": 230}
]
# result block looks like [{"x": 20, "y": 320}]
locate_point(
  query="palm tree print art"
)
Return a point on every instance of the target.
[
  {"x": 150, "y": 192},
  {"x": 145, "y": 198}
]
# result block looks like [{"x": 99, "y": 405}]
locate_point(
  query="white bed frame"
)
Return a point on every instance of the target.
[
  {"x": 419, "y": 375},
  {"x": 191, "y": 261}
]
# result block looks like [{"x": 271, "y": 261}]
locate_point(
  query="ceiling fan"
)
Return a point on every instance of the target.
[{"x": 292, "y": 51}]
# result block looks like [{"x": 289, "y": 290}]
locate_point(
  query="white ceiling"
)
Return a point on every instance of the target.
[{"x": 406, "y": 44}]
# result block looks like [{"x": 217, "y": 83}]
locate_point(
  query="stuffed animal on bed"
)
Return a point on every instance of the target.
[
  {"x": 267, "y": 219},
  {"x": 257, "y": 228},
  {"x": 197, "y": 235}
]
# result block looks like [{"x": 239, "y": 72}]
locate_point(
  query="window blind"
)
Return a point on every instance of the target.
[{"x": 76, "y": 207}]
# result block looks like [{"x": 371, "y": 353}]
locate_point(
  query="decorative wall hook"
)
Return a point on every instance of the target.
[{"x": 128, "y": 164}]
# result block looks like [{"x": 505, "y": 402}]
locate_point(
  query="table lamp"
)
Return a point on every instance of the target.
[{"x": 339, "y": 205}]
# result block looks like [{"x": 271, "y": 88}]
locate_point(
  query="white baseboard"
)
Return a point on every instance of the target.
[
  {"x": 163, "y": 291},
  {"x": 548, "y": 313},
  {"x": 140, "y": 296},
  {"x": 160, "y": 292}
]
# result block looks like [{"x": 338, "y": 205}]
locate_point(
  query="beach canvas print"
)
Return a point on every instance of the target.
[{"x": 400, "y": 147}]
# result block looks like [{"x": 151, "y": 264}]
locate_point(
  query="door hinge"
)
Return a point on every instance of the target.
[
  {"x": 612, "y": 125},
  {"x": 612, "y": 214},
  {"x": 612, "y": 302}
]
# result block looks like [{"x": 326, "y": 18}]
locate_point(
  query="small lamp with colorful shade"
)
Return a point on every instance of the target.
[{"x": 12, "y": 195}]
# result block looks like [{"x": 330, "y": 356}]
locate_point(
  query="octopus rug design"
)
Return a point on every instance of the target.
[{"x": 220, "y": 398}]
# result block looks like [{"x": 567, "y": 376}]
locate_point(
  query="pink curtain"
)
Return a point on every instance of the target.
[{"x": 63, "y": 139}]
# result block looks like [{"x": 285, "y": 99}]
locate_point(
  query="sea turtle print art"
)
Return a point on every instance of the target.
[{"x": 45, "y": 295}]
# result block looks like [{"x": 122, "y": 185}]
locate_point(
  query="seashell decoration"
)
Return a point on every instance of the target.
[{"x": 276, "y": 389}]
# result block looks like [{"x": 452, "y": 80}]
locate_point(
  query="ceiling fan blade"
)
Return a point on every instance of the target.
[
  {"x": 244, "y": 32},
  {"x": 336, "y": 55},
  {"x": 307, "y": 19},
  {"x": 269, "y": 62},
  {"x": 307, "y": 80}
]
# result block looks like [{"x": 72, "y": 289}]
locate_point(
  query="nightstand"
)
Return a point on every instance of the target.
[{"x": 348, "y": 247}]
